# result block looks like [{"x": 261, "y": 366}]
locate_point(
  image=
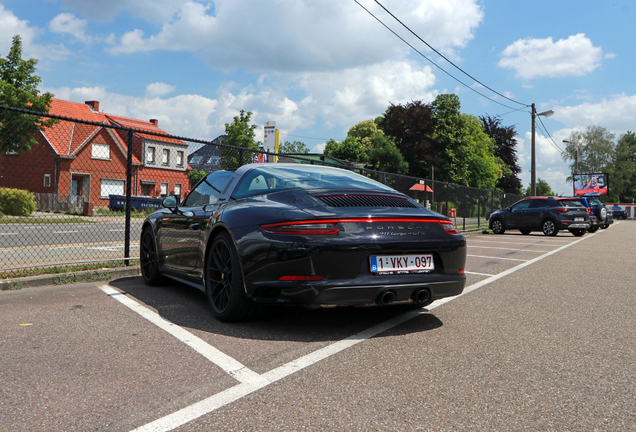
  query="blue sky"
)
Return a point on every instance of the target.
[{"x": 318, "y": 67}]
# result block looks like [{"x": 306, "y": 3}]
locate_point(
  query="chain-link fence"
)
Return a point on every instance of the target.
[{"x": 93, "y": 177}]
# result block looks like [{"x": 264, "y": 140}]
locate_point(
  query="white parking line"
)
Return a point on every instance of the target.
[
  {"x": 478, "y": 274},
  {"x": 512, "y": 249},
  {"x": 9, "y": 233},
  {"x": 65, "y": 232},
  {"x": 254, "y": 383},
  {"x": 499, "y": 258},
  {"x": 225, "y": 362}
]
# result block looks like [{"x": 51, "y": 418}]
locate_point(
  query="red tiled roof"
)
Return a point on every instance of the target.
[
  {"x": 66, "y": 137},
  {"x": 142, "y": 125}
]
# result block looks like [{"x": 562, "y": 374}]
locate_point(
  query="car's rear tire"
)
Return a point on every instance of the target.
[
  {"x": 549, "y": 228},
  {"x": 593, "y": 229},
  {"x": 578, "y": 231},
  {"x": 224, "y": 282},
  {"x": 606, "y": 226},
  {"x": 497, "y": 226},
  {"x": 148, "y": 258},
  {"x": 525, "y": 231}
]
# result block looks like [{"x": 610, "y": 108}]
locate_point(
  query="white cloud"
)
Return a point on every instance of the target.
[
  {"x": 616, "y": 113},
  {"x": 66, "y": 23},
  {"x": 159, "y": 89},
  {"x": 531, "y": 58},
  {"x": 10, "y": 26},
  {"x": 295, "y": 35}
]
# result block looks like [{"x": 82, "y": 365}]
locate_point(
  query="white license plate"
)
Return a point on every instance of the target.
[
  {"x": 402, "y": 264},
  {"x": 578, "y": 219}
]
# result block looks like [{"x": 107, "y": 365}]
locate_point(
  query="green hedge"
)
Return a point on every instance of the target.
[{"x": 16, "y": 202}]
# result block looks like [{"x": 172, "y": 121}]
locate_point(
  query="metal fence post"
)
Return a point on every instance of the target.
[{"x": 128, "y": 198}]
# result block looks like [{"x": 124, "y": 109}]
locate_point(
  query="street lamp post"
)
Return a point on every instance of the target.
[{"x": 533, "y": 166}]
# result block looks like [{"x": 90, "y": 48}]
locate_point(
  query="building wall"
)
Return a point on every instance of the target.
[{"x": 27, "y": 169}]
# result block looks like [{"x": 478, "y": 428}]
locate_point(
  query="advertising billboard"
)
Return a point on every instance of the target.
[{"x": 594, "y": 184}]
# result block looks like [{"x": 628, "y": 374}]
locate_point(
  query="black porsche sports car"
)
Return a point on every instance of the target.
[{"x": 301, "y": 234}]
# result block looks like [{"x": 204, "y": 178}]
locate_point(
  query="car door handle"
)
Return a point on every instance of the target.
[{"x": 195, "y": 226}]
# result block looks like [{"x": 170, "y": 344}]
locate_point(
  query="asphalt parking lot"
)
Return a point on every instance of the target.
[{"x": 542, "y": 339}]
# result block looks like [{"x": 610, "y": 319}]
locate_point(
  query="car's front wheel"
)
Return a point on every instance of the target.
[
  {"x": 497, "y": 226},
  {"x": 224, "y": 282},
  {"x": 148, "y": 258},
  {"x": 549, "y": 228},
  {"x": 578, "y": 231}
]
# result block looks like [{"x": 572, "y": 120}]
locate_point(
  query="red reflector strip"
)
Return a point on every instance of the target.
[{"x": 301, "y": 278}]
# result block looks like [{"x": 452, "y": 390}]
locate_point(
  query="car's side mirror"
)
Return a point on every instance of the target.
[{"x": 170, "y": 202}]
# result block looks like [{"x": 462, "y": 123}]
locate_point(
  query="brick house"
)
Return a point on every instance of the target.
[{"x": 89, "y": 161}]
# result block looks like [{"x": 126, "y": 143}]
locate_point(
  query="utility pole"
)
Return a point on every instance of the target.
[{"x": 533, "y": 166}]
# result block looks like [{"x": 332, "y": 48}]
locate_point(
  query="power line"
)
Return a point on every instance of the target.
[
  {"x": 433, "y": 63},
  {"x": 551, "y": 140},
  {"x": 442, "y": 56}
]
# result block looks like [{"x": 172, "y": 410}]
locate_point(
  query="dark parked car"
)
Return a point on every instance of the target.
[
  {"x": 310, "y": 235},
  {"x": 600, "y": 215},
  {"x": 619, "y": 213},
  {"x": 547, "y": 214}
]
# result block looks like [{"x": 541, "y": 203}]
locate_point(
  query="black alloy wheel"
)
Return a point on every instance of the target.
[
  {"x": 148, "y": 258},
  {"x": 525, "y": 231},
  {"x": 497, "y": 226},
  {"x": 578, "y": 232},
  {"x": 224, "y": 282},
  {"x": 593, "y": 229},
  {"x": 549, "y": 228}
]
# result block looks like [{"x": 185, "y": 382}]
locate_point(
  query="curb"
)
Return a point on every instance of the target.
[{"x": 102, "y": 275}]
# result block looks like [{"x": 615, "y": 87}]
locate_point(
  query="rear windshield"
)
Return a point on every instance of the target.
[
  {"x": 570, "y": 203},
  {"x": 594, "y": 201},
  {"x": 268, "y": 178}
]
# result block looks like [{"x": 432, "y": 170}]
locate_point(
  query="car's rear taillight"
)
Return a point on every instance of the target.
[
  {"x": 318, "y": 227},
  {"x": 589, "y": 211},
  {"x": 449, "y": 227},
  {"x": 563, "y": 209}
]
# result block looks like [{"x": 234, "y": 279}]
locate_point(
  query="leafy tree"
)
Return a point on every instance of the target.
[
  {"x": 505, "y": 143},
  {"x": 349, "y": 149},
  {"x": 363, "y": 132},
  {"x": 411, "y": 126},
  {"x": 385, "y": 156},
  {"x": 622, "y": 174},
  {"x": 239, "y": 134},
  {"x": 19, "y": 89},
  {"x": 293, "y": 148},
  {"x": 484, "y": 169},
  {"x": 591, "y": 150},
  {"x": 543, "y": 189},
  {"x": 194, "y": 176}
]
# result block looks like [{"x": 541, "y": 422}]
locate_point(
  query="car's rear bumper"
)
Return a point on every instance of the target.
[
  {"x": 578, "y": 225},
  {"x": 361, "y": 291}
]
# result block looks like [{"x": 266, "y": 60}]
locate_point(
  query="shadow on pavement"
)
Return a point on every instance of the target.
[{"x": 188, "y": 308}]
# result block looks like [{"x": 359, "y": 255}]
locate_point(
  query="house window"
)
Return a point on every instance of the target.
[
  {"x": 150, "y": 155},
  {"x": 195, "y": 159},
  {"x": 177, "y": 189},
  {"x": 112, "y": 187},
  {"x": 164, "y": 189},
  {"x": 213, "y": 160},
  {"x": 100, "y": 151},
  {"x": 166, "y": 157},
  {"x": 179, "y": 158},
  {"x": 47, "y": 180}
]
